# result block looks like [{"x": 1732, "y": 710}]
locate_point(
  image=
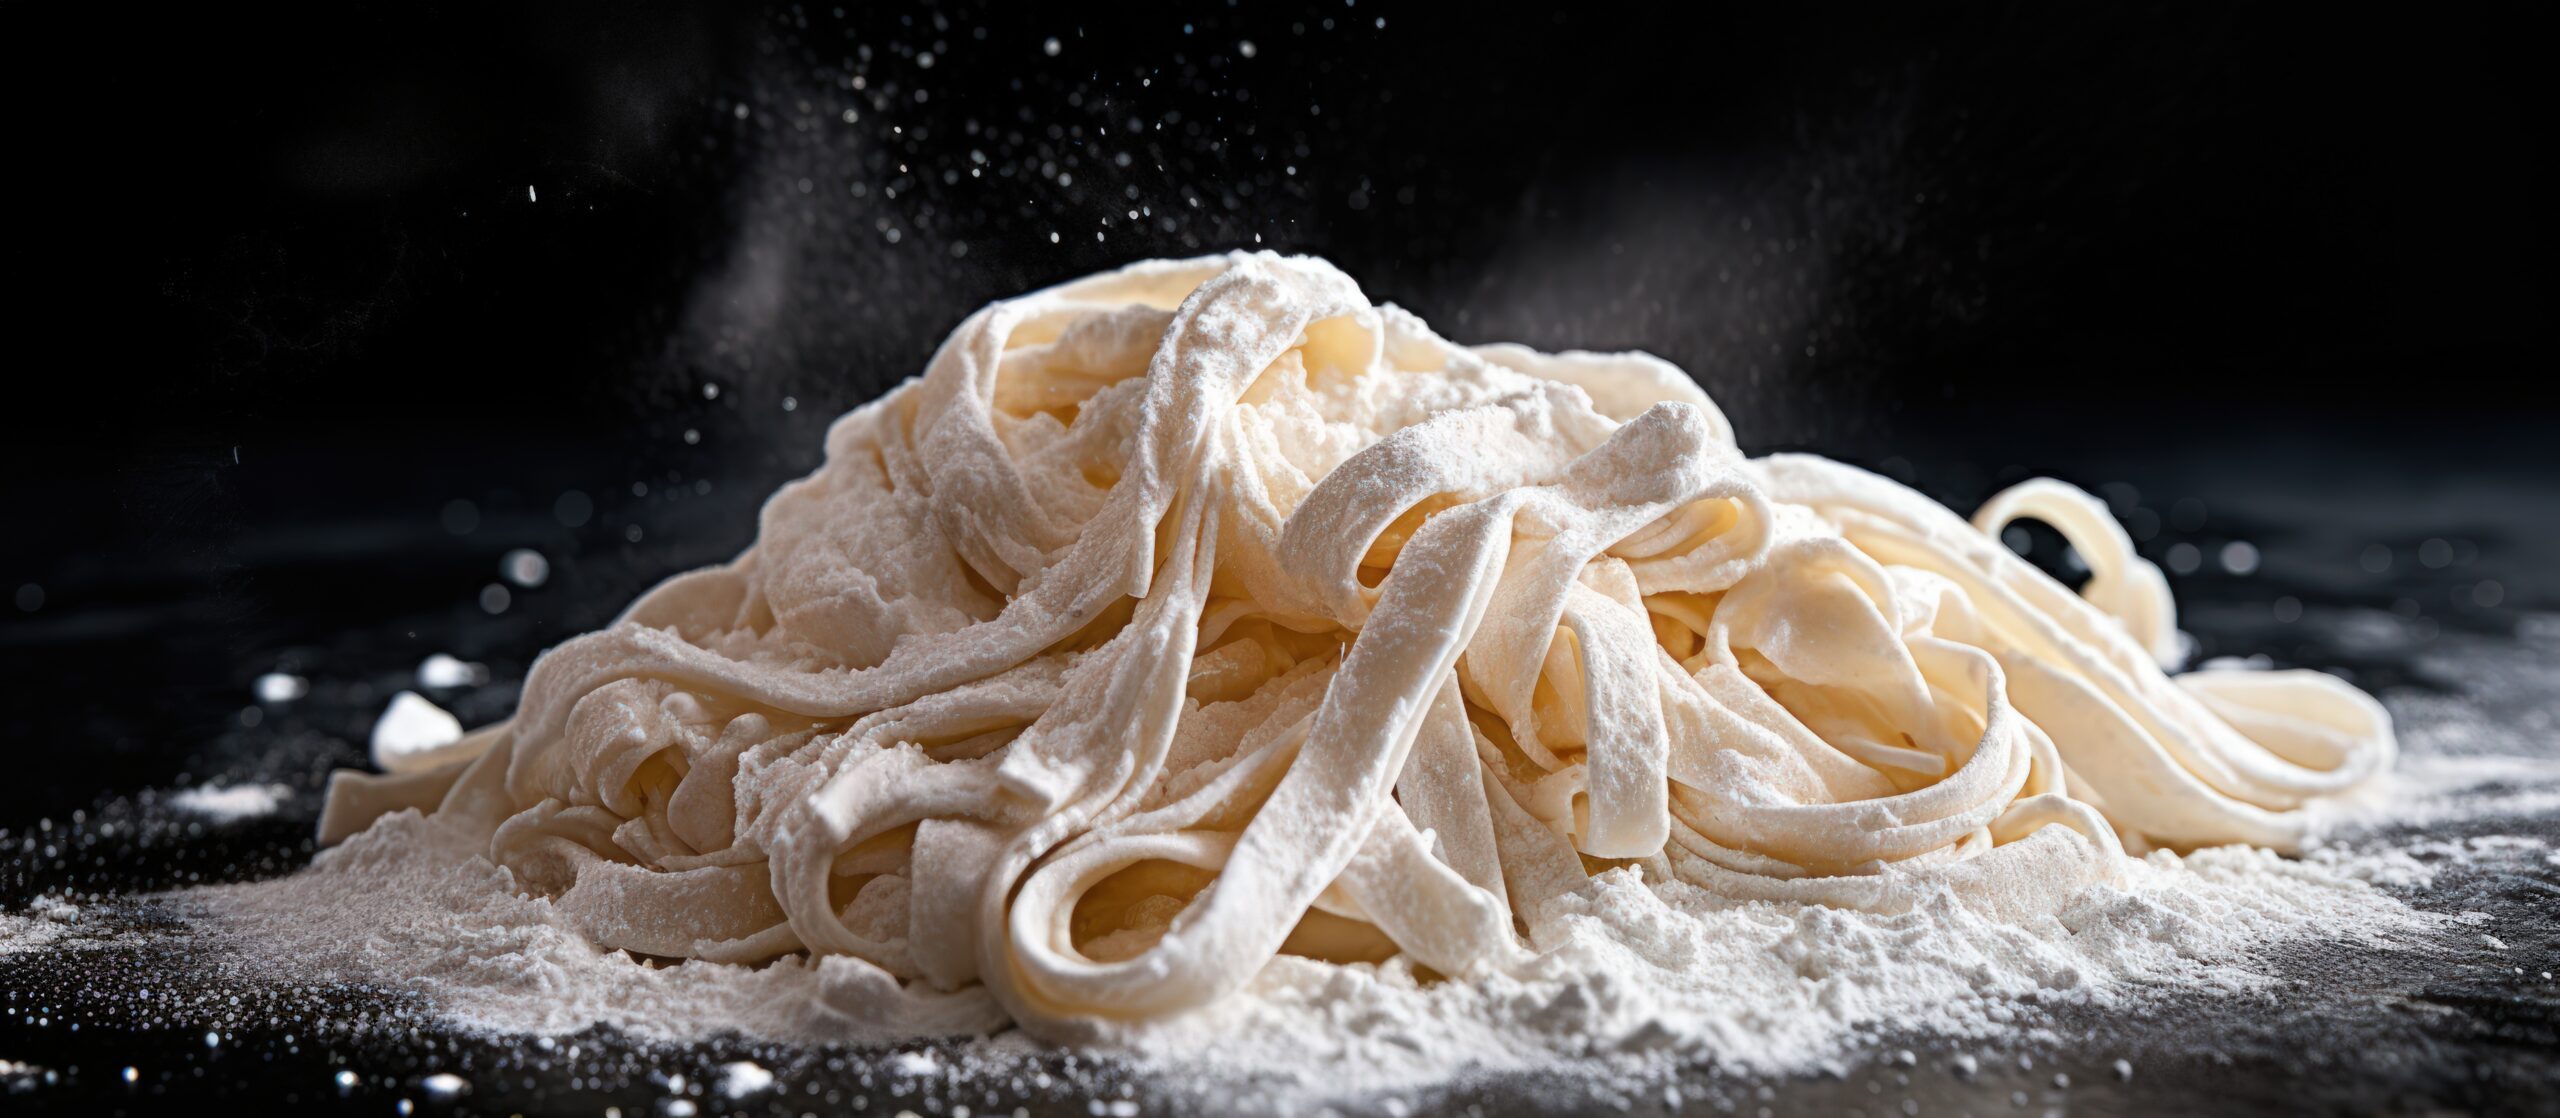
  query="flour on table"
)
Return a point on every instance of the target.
[{"x": 230, "y": 803}]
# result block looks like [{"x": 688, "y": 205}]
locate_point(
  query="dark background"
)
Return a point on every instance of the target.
[{"x": 322, "y": 308}]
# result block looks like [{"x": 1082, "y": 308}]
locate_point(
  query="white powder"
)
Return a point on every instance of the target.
[
  {"x": 1674, "y": 972},
  {"x": 280, "y": 687},
  {"x": 411, "y": 728},
  {"x": 2443, "y": 789},
  {"x": 2418, "y": 865},
  {"x": 47, "y": 921},
  {"x": 230, "y": 803},
  {"x": 1639, "y": 972},
  {"x": 437, "y": 918},
  {"x": 741, "y": 1078},
  {"x": 442, "y": 670}
]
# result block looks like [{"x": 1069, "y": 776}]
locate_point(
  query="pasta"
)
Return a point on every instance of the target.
[{"x": 1201, "y": 611}]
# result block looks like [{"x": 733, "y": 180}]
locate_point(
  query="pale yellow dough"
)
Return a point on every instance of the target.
[{"x": 1200, "y": 611}]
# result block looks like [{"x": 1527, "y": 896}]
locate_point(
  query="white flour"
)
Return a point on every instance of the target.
[
  {"x": 47, "y": 921},
  {"x": 230, "y": 803},
  {"x": 1638, "y": 974}
]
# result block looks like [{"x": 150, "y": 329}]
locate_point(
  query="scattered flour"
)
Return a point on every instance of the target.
[
  {"x": 2435, "y": 789},
  {"x": 2417, "y": 865},
  {"x": 436, "y": 917},
  {"x": 230, "y": 803},
  {"x": 47, "y": 921},
  {"x": 281, "y": 687},
  {"x": 443, "y": 670},
  {"x": 741, "y": 1078},
  {"x": 915, "y": 1065},
  {"x": 2379, "y": 832},
  {"x": 412, "y": 729},
  {"x": 1635, "y": 970}
]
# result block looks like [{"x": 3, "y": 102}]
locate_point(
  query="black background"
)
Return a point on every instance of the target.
[{"x": 293, "y": 279}]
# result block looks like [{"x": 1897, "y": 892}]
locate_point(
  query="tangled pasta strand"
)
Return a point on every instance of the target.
[{"x": 1201, "y": 611}]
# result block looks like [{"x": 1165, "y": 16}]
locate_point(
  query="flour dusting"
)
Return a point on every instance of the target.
[
  {"x": 231, "y": 803},
  {"x": 1637, "y": 974}
]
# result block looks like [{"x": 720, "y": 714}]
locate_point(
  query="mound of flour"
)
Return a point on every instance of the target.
[{"x": 1639, "y": 971}]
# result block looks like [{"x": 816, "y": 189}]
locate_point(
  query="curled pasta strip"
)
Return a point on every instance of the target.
[{"x": 1201, "y": 612}]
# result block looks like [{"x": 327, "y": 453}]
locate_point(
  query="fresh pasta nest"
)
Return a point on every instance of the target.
[{"x": 1202, "y": 611}]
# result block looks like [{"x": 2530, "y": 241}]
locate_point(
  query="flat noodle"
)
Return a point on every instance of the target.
[{"x": 1201, "y": 611}]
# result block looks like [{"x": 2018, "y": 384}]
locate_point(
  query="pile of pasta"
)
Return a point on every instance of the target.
[{"x": 1202, "y": 611}]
